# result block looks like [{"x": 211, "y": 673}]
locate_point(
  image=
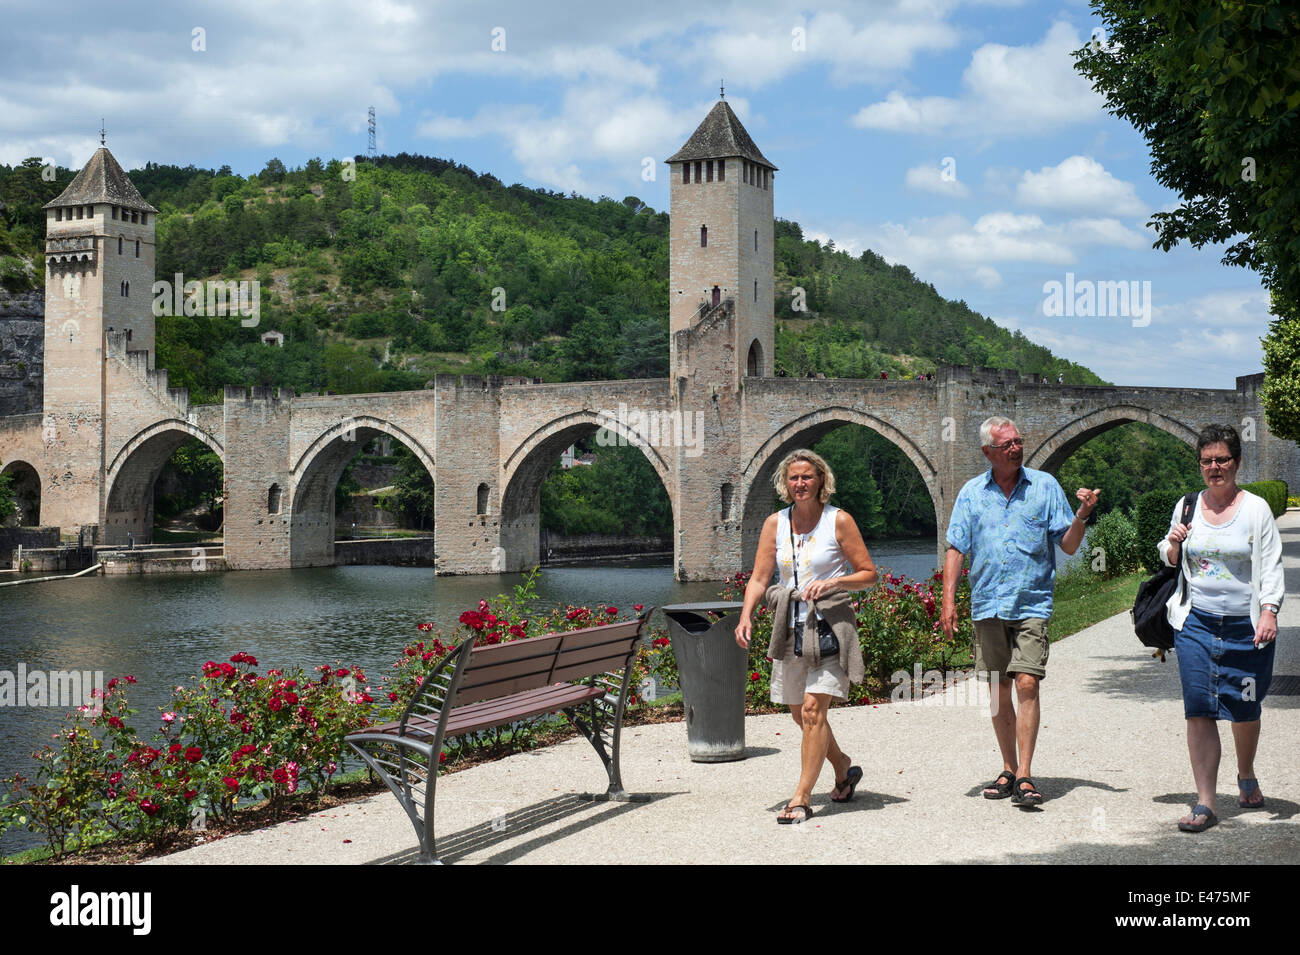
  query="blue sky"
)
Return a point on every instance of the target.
[{"x": 951, "y": 136}]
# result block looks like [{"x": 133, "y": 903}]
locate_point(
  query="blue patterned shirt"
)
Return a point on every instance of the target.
[{"x": 1011, "y": 542}]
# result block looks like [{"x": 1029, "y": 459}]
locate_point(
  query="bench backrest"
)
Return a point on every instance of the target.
[{"x": 536, "y": 662}]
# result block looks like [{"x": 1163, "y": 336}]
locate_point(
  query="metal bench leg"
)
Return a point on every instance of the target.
[{"x": 594, "y": 730}]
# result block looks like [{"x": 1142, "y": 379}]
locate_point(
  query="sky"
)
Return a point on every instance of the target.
[{"x": 952, "y": 136}]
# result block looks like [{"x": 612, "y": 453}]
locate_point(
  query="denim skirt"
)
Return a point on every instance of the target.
[{"x": 1225, "y": 677}]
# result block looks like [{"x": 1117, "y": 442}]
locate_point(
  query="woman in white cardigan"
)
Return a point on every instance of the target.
[{"x": 1224, "y": 613}]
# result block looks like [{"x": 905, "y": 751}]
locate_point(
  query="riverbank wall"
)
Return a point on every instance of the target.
[
  {"x": 581, "y": 546},
  {"x": 391, "y": 551},
  {"x": 28, "y": 538}
]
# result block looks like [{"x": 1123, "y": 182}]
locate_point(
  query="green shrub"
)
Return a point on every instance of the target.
[
  {"x": 1275, "y": 492},
  {"x": 1151, "y": 523},
  {"x": 1117, "y": 539}
]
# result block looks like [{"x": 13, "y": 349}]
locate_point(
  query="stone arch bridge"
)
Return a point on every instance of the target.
[{"x": 489, "y": 442}]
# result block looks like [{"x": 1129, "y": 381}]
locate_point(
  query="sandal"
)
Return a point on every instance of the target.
[
  {"x": 1000, "y": 788},
  {"x": 1247, "y": 787},
  {"x": 851, "y": 779},
  {"x": 1200, "y": 809},
  {"x": 1026, "y": 797},
  {"x": 795, "y": 820}
]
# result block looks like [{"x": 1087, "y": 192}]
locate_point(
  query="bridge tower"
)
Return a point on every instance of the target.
[
  {"x": 99, "y": 269},
  {"x": 721, "y": 329},
  {"x": 721, "y": 242}
]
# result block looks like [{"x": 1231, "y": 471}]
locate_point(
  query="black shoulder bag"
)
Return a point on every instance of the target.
[
  {"x": 828, "y": 645},
  {"x": 1150, "y": 621}
]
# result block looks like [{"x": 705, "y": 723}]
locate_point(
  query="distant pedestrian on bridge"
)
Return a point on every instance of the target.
[
  {"x": 1009, "y": 520},
  {"x": 814, "y": 649}
]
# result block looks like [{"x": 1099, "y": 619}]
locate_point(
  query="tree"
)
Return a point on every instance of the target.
[
  {"x": 7, "y": 506},
  {"x": 1214, "y": 88}
]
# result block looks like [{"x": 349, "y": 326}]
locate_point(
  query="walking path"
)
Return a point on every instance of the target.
[{"x": 1111, "y": 761}]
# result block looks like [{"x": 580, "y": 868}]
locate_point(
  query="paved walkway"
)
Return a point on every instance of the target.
[{"x": 1112, "y": 762}]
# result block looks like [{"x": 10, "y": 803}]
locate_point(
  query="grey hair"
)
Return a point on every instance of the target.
[
  {"x": 989, "y": 426},
  {"x": 813, "y": 458}
]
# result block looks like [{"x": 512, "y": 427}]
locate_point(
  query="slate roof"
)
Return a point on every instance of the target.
[
  {"x": 102, "y": 180},
  {"x": 718, "y": 137}
]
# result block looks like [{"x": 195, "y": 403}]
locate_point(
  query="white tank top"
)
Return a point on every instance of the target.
[{"x": 818, "y": 552}]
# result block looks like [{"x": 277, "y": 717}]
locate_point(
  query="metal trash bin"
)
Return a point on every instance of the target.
[{"x": 713, "y": 671}]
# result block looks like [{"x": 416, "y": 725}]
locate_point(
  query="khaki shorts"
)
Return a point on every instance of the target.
[
  {"x": 1012, "y": 646},
  {"x": 792, "y": 678}
]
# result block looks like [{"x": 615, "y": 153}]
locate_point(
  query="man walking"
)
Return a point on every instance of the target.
[{"x": 1008, "y": 520}]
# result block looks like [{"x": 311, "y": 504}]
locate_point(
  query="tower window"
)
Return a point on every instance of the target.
[
  {"x": 686, "y": 173},
  {"x": 765, "y": 177},
  {"x": 704, "y": 236},
  {"x": 135, "y": 217},
  {"x": 78, "y": 208},
  {"x": 119, "y": 245},
  {"x": 58, "y": 215},
  {"x": 744, "y": 171},
  {"x": 114, "y": 208},
  {"x": 755, "y": 240},
  {"x": 722, "y": 170},
  {"x": 755, "y": 290},
  {"x": 698, "y": 164},
  {"x": 137, "y": 248},
  {"x": 144, "y": 218},
  {"x": 708, "y": 170}
]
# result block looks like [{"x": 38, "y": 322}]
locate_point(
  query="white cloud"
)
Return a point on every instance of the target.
[
  {"x": 1106, "y": 232},
  {"x": 1079, "y": 183},
  {"x": 925, "y": 178},
  {"x": 1007, "y": 89}
]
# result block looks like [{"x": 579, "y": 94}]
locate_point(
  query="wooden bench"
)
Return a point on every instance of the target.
[{"x": 584, "y": 674}]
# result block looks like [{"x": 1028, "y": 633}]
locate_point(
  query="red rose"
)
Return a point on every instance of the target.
[
  {"x": 190, "y": 794},
  {"x": 291, "y": 697},
  {"x": 754, "y": 678},
  {"x": 114, "y": 722},
  {"x": 281, "y": 776},
  {"x": 193, "y": 754},
  {"x": 149, "y": 808},
  {"x": 231, "y": 782},
  {"x": 342, "y": 671},
  {"x": 174, "y": 748},
  {"x": 442, "y": 757},
  {"x": 638, "y": 607},
  {"x": 611, "y": 610},
  {"x": 275, "y": 704},
  {"x": 131, "y": 679},
  {"x": 115, "y": 778},
  {"x": 392, "y": 697}
]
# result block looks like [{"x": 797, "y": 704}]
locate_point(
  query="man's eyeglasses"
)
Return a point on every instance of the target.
[
  {"x": 1211, "y": 462},
  {"x": 1008, "y": 445}
]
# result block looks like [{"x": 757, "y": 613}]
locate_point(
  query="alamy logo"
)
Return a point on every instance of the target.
[
  {"x": 65, "y": 688},
  {"x": 1088, "y": 299},
  {"x": 657, "y": 429},
  {"x": 103, "y": 908},
  {"x": 211, "y": 298}
]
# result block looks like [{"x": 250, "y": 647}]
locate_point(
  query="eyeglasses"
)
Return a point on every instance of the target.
[
  {"x": 1211, "y": 462},
  {"x": 1008, "y": 445}
]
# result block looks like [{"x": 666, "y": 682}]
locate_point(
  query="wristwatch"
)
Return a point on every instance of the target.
[{"x": 1272, "y": 607}]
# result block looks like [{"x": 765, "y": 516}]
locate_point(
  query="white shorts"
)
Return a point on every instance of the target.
[{"x": 793, "y": 678}]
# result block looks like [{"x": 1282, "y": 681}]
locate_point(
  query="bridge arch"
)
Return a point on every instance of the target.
[
  {"x": 131, "y": 475},
  {"x": 26, "y": 488},
  {"x": 803, "y": 432},
  {"x": 1057, "y": 448},
  {"x": 528, "y": 464},
  {"x": 316, "y": 474}
]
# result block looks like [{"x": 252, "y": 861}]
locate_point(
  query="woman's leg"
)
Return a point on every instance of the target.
[
  {"x": 815, "y": 748},
  {"x": 834, "y": 755},
  {"x": 1245, "y": 739},
  {"x": 1204, "y": 749}
]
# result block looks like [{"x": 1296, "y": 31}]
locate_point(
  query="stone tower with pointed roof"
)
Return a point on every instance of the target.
[
  {"x": 721, "y": 248},
  {"x": 99, "y": 272}
]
